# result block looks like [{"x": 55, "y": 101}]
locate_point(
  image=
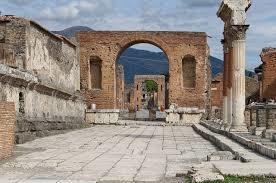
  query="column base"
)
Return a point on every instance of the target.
[{"x": 240, "y": 128}]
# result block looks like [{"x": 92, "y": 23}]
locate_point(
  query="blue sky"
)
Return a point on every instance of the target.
[{"x": 151, "y": 15}]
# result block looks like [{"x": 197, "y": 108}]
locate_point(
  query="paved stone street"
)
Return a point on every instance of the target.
[{"x": 108, "y": 153}]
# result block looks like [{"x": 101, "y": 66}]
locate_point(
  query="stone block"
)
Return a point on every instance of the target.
[
  {"x": 220, "y": 155},
  {"x": 161, "y": 115},
  {"x": 190, "y": 118},
  {"x": 173, "y": 118},
  {"x": 142, "y": 114},
  {"x": 258, "y": 130},
  {"x": 90, "y": 118},
  {"x": 113, "y": 118},
  {"x": 268, "y": 133},
  {"x": 274, "y": 137}
]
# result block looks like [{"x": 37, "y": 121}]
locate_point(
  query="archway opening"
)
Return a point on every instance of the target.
[
  {"x": 147, "y": 60},
  {"x": 149, "y": 95}
]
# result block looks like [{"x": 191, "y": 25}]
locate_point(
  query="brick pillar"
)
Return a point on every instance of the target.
[
  {"x": 7, "y": 127},
  {"x": 229, "y": 88},
  {"x": 225, "y": 81}
]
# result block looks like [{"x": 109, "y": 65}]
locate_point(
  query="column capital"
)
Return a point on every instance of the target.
[
  {"x": 238, "y": 32},
  {"x": 225, "y": 44}
]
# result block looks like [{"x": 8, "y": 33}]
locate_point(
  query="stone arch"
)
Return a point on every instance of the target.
[
  {"x": 109, "y": 45},
  {"x": 139, "y": 80},
  {"x": 125, "y": 43}
]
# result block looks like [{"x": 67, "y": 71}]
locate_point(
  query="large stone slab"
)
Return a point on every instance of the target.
[{"x": 142, "y": 114}]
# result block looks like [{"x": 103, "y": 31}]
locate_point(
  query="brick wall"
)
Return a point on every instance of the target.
[
  {"x": 268, "y": 57},
  {"x": 7, "y": 126},
  {"x": 251, "y": 90},
  {"x": 216, "y": 92}
]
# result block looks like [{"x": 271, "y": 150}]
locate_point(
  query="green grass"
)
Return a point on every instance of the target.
[{"x": 240, "y": 179}]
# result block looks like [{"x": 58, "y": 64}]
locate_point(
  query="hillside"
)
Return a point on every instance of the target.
[{"x": 71, "y": 31}]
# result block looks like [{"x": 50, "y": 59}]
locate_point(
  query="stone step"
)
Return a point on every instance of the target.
[{"x": 241, "y": 153}]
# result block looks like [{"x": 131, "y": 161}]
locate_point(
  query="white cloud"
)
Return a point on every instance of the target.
[
  {"x": 76, "y": 10},
  {"x": 19, "y": 2}
]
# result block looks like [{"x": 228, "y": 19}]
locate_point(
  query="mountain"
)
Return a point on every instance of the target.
[
  {"x": 144, "y": 62},
  {"x": 71, "y": 31}
]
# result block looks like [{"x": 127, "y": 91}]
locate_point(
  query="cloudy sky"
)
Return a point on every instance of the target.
[{"x": 157, "y": 15}]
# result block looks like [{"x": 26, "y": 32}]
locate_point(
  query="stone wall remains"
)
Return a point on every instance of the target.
[
  {"x": 7, "y": 126},
  {"x": 43, "y": 80}
]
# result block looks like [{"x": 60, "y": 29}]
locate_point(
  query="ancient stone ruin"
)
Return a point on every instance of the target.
[
  {"x": 39, "y": 72},
  {"x": 187, "y": 53}
]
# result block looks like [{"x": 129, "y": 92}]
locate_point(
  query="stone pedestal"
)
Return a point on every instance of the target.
[
  {"x": 102, "y": 116},
  {"x": 238, "y": 123}
]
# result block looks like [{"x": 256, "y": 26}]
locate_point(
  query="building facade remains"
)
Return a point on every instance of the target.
[
  {"x": 40, "y": 73},
  {"x": 187, "y": 52}
]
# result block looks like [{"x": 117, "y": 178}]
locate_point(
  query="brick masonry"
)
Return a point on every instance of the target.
[
  {"x": 251, "y": 91},
  {"x": 268, "y": 86},
  {"x": 216, "y": 91},
  {"x": 176, "y": 45},
  {"x": 7, "y": 127}
]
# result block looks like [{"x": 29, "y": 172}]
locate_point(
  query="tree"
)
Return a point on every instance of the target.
[{"x": 151, "y": 86}]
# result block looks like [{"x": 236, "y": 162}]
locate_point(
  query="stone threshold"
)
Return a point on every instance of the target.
[{"x": 253, "y": 145}]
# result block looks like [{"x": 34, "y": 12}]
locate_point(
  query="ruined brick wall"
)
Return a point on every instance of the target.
[
  {"x": 251, "y": 90},
  {"x": 268, "y": 57},
  {"x": 13, "y": 41},
  {"x": 216, "y": 92},
  {"x": 139, "y": 80},
  {"x": 176, "y": 45},
  {"x": 7, "y": 126}
]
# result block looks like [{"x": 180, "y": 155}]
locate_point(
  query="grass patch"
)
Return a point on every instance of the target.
[{"x": 241, "y": 179}]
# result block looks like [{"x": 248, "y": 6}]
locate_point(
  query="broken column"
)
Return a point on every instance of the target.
[{"x": 233, "y": 14}]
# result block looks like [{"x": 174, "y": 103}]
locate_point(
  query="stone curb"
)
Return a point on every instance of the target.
[
  {"x": 207, "y": 134},
  {"x": 255, "y": 146}
]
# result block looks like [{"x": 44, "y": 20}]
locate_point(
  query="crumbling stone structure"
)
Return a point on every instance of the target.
[
  {"x": 40, "y": 73},
  {"x": 187, "y": 53},
  {"x": 233, "y": 14},
  {"x": 138, "y": 93},
  {"x": 268, "y": 76}
]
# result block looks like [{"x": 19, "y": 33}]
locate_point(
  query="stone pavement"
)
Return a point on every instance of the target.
[{"x": 108, "y": 153}]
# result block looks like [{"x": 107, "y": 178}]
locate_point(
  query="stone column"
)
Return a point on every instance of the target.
[{"x": 238, "y": 106}]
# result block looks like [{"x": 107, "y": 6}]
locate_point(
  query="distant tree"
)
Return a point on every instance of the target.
[{"x": 151, "y": 86}]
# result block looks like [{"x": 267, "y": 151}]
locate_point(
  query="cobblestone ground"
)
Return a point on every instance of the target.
[{"x": 108, "y": 153}]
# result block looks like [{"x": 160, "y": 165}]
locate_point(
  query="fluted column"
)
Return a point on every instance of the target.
[{"x": 238, "y": 106}]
